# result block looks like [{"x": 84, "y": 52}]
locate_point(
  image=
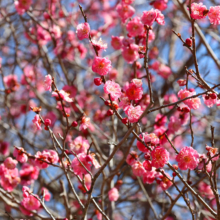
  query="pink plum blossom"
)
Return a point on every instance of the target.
[
  {"x": 140, "y": 145},
  {"x": 37, "y": 122},
  {"x": 85, "y": 123},
  {"x": 116, "y": 42},
  {"x": 99, "y": 45},
  {"x": 205, "y": 190},
  {"x": 132, "y": 158},
  {"x": 193, "y": 103},
  {"x": 46, "y": 193},
  {"x": 149, "y": 17},
  {"x": 29, "y": 201},
  {"x": 79, "y": 145},
  {"x": 134, "y": 91},
  {"x": 160, "y": 4},
  {"x": 87, "y": 182},
  {"x": 165, "y": 182},
  {"x": 135, "y": 27},
  {"x": 22, "y": 6},
  {"x": 174, "y": 125},
  {"x": 149, "y": 176},
  {"x": 4, "y": 147},
  {"x": 214, "y": 15},
  {"x": 45, "y": 157},
  {"x": 71, "y": 90},
  {"x": 130, "y": 53},
  {"x": 10, "y": 163},
  {"x": 113, "y": 89},
  {"x": 125, "y": 11},
  {"x": 138, "y": 169},
  {"x": 204, "y": 160},
  {"x": 48, "y": 82},
  {"x": 28, "y": 174},
  {"x": 151, "y": 139},
  {"x": 210, "y": 99},
  {"x": 133, "y": 113},
  {"x": 82, "y": 31},
  {"x": 147, "y": 165},
  {"x": 11, "y": 82},
  {"x": 77, "y": 167},
  {"x": 188, "y": 158},
  {"x": 20, "y": 155},
  {"x": 213, "y": 152},
  {"x": 160, "y": 121},
  {"x": 102, "y": 66},
  {"x": 9, "y": 178},
  {"x": 62, "y": 95},
  {"x": 198, "y": 10},
  {"x": 113, "y": 194},
  {"x": 160, "y": 157}
]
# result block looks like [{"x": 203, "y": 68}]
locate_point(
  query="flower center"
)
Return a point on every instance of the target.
[{"x": 187, "y": 159}]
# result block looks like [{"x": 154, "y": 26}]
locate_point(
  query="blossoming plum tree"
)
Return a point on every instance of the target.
[{"x": 109, "y": 109}]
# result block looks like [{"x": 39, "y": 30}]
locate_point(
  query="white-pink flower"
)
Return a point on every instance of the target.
[
  {"x": 62, "y": 96},
  {"x": 214, "y": 15},
  {"x": 133, "y": 113},
  {"x": 37, "y": 122},
  {"x": 85, "y": 123},
  {"x": 83, "y": 30},
  {"x": 79, "y": 145},
  {"x": 10, "y": 163},
  {"x": 113, "y": 89},
  {"x": 113, "y": 194},
  {"x": 48, "y": 82},
  {"x": 149, "y": 17},
  {"x": 198, "y": 10},
  {"x": 135, "y": 27}
]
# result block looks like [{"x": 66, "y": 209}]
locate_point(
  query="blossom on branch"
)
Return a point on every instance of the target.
[{"x": 188, "y": 158}]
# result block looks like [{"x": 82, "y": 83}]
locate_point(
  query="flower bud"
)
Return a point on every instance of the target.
[
  {"x": 47, "y": 122},
  {"x": 74, "y": 124},
  {"x": 124, "y": 120},
  {"x": 188, "y": 42},
  {"x": 213, "y": 96},
  {"x": 97, "y": 81},
  {"x": 110, "y": 112}
]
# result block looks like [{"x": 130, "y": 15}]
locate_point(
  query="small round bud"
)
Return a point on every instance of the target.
[
  {"x": 138, "y": 65},
  {"x": 213, "y": 96},
  {"x": 174, "y": 174},
  {"x": 74, "y": 124},
  {"x": 188, "y": 42},
  {"x": 124, "y": 120},
  {"x": 206, "y": 97},
  {"x": 158, "y": 181},
  {"x": 97, "y": 81},
  {"x": 107, "y": 103},
  {"x": 115, "y": 105},
  {"x": 179, "y": 109},
  {"x": 186, "y": 109},
  {"x": 147, "y": 157},
  {"x": 118, "y": 183},
  {"x": 47, "y": 122},
  {"x": 189, "y": 182},
  {"x": 181, "y": 82},
  {"x": 110, "y": 112},
  {"x": 175, "y": 166}
]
